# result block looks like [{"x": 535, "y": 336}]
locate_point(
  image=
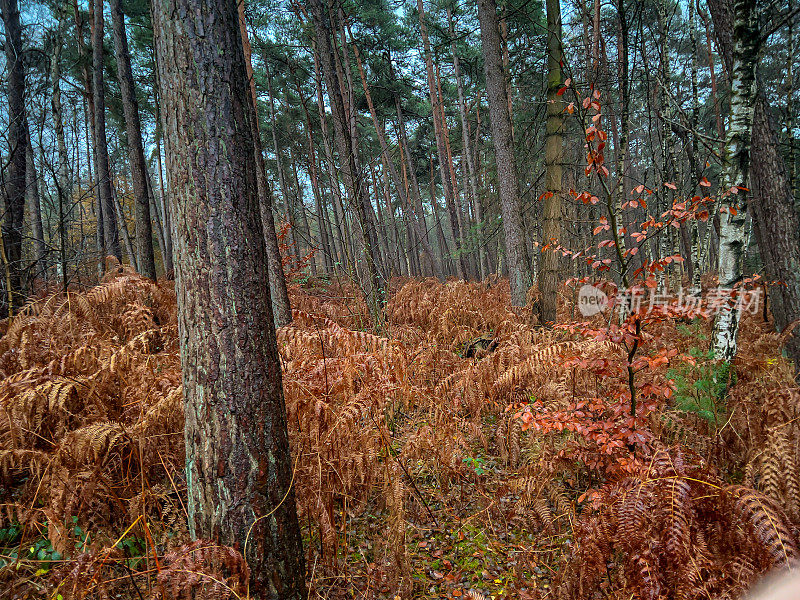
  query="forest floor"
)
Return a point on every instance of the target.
[{"x": 463, "y": 453}]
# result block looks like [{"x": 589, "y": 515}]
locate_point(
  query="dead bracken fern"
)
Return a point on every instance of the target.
[
  {"x": 677, "y": 529},
  {"x": 396, "y": 438}
]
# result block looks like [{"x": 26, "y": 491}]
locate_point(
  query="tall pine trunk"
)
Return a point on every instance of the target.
[
  {"x": 145, "y": 258},
  {"x": 238, "y": 467},
  {"x": 441, "y": 146},
  {"x": 34, "y": 203},
  {"x": 63, "y": 186},
  {"x": 467, "y": 150},
  {"x": 279, "y": 295},
  {"x": 102, "y": 170},
  {"x": 507, "y": 181},
  {"x": 354, "y": 182}
]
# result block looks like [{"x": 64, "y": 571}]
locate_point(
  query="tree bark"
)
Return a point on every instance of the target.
[
  {"x": 553, "y": 153},
  {"x": 145, "y": 258},
  {"x": 238, "y": 465},
  {"x": 508, "y": 184},
  {"x": 13, "y": 177}
]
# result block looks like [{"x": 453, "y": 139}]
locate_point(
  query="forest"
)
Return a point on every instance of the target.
[{"x": 394, "y": 299}]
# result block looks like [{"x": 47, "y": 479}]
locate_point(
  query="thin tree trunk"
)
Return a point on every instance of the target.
[
  {"x": 312, "y": 172},
  {"x": 279, "y": 295},
  {"x": 156, "y": 213},
  {"x": 63, "y": 187},
  {"x": 508, "y": 184},
  {"x": 338, "y": 207},
  {"x": 622, "y": 145},
  {"x": 417, "y": 210},
  {"x": 443, "y": 249},
  {"x": 305, "y": 234},
  {"x": 468, "y": 156},
  {"x": 34, "y": 204},
  {"x": 166, "y": 218},
  {"x": 353, "y": 179},
  {"x": 287, "y": 203},
  {"x": 102, "y": 169},
  {"x": 91, "y": 148},
  {"x": 441, "y": 148},
  {"x": 238, "y": 465},
  {"x": 123, "y": 226},
  {"x": 145, "y": 258},
  {"x": 694, "y": 237},
  {"x": 435, "y": 268},
  {"x": 110, "y": 227}
]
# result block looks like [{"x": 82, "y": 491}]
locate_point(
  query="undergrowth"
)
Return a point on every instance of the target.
[{"x": 422, "y": 469}]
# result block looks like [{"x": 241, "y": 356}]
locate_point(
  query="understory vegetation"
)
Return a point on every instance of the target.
[{"x": 464, "y": 453}]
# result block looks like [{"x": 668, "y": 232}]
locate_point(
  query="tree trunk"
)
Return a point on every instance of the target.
[
  {"x": 300, "y": 206},
  {"x": 441, "y": 148},
  {"x": 516, "y": 252},
  {"x": 238, "y": 465},
  {"x": 103, "y": 173},
  {"x": 694, "y": 226},
  {"x": 279, "y": 295},
  {"x": 279, "y": 165},
  {"x": 468, "y": 156},
  {"x": 417, "y": 210},
  {"x": 327, "y": 255},
  {"x": 622, "y": 145},
  {"x": 13, "y": 179},
  {"x": 123, "y": 227},
  {"x": 553, "y": 153},
  {"x": 339, "y": 215},
  {"x": 166, "y": 218},
  {"x": 736, "y": 176},
  {"x": 145, "y": 258},
  {"x": 770, "y": 197},
  {"x": 389, "y": 163},
  {"x": 344, "y": 142},
  {"x": 63, "y": 187},
  {"x": 34, "y": 204}
]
